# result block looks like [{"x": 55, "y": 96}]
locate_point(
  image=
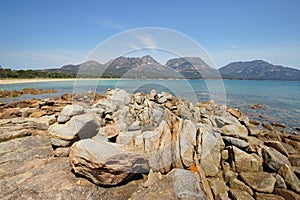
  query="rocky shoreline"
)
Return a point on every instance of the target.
[{"x": 142, "y": 146}]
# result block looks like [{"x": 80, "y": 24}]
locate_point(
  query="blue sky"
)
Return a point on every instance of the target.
[{"x": 43, "y": 33}]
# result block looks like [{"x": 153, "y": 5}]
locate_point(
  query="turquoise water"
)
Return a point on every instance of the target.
[{"x": 281, "y": 99}]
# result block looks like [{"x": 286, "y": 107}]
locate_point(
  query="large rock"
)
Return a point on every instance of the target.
[
  {"x": 236, "y": 142},
  {"x": 238, "y": 131},
  {"x": 219, "y": 188},
  {"x": 106, "y": 163},
  {"x": 28, "y": 170},
  {"x": 278, "y": 146},
  {"x": 79, "y": 127},
  {"x": 244, "y": 162},
  {"x": 225, "y": 120},
  {"x": 72, "y": 110},
  {"x": 274, "y": 159},
  {"x": 295, "y": 160},
  {"x": 237, "y": 184},
  {"x": 287, "y": 194},
  {"x": 118, "y": 95},
  {"x": 187, "y": 143},
  {"x": 290, "y": 178},
  {"x": 236, "y": 194},
  {"x": 210, "y": 151},
  {"x": 259, "y": 181},
  {"x": 159, "y": 147},
  {"x": 280, "y": 183},
  {"x": 177, "y": 184}
]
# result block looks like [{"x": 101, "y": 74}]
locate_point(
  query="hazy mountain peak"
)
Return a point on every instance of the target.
[
  {"x": 149, "y": 60},
  {"x": 259, "y": 69}
]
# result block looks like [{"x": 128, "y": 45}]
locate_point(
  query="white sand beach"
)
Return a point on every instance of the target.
[{"x": 18, "y": 81}]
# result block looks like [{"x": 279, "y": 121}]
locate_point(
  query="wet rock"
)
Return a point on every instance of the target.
[
  {"x": 273, "y": 159},
  {"x": 278, "y": 125},
  {"x": 239, "y": 195},
  {"x": 237, "y": 184},
  {"x": 259, "y": 181},
  {"x": 254, "y": 122},
  {"x": 256, "y": 106},
  {"x": 244, "y": 162},
  {"x": 177, "y": 184},
  {"x": 263, "y": 196},
  {"x": 289, "y": 177},
  {"x": 106, "y": 163},
  {"x": 267, "y": 126},
  {"x": 287, "y": 194}
]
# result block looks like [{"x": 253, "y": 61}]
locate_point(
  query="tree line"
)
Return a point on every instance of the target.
[{"x": 9, "y": 73}]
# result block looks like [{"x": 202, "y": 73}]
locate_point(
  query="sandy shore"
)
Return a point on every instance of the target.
[{"x": 17, "y": 81}]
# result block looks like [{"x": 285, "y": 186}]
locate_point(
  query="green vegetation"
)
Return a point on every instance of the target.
[{"x": 9, "y": 73}]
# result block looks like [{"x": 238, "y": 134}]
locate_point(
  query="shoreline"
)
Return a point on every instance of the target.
[{"x": 40, "y": 80}]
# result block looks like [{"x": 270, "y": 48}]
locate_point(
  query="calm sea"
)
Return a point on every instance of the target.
[{"x": 280, "y": 99}]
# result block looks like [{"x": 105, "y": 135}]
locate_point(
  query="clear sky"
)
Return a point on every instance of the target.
[{"x": 51, "y": 33}]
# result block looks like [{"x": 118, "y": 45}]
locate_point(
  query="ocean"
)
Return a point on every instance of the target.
[{"x": 280, "y": 99}]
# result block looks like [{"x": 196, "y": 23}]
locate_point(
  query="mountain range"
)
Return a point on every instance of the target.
[{"x": 178, "y": 68}]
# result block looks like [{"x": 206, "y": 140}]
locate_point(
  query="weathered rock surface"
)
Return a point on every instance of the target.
[
  {"x": 287, "y": 194},
  {"x": 106, "y": 163},
  {"x": 290, "y": 178},
  {"x": 212, "y": 151},
  {"x": 240, "y": 195},
  {"x": 238, "y": 131},
  {"x": 263, "y": 196},
  {"x": 237, "y": 184},
  {"x": 274, "y": 159},
  {"x": 259, "y": 181},
  {"x": 79, "y": 127},
  {"x": 36, "y": 174},
  {"x": 177, "y": 184},
  {"x": 72, "y": 110},
  {"x": 219, "y": 188},
  {"x": 295, "y": 160},
  {"x": 245, "y": 162}
]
